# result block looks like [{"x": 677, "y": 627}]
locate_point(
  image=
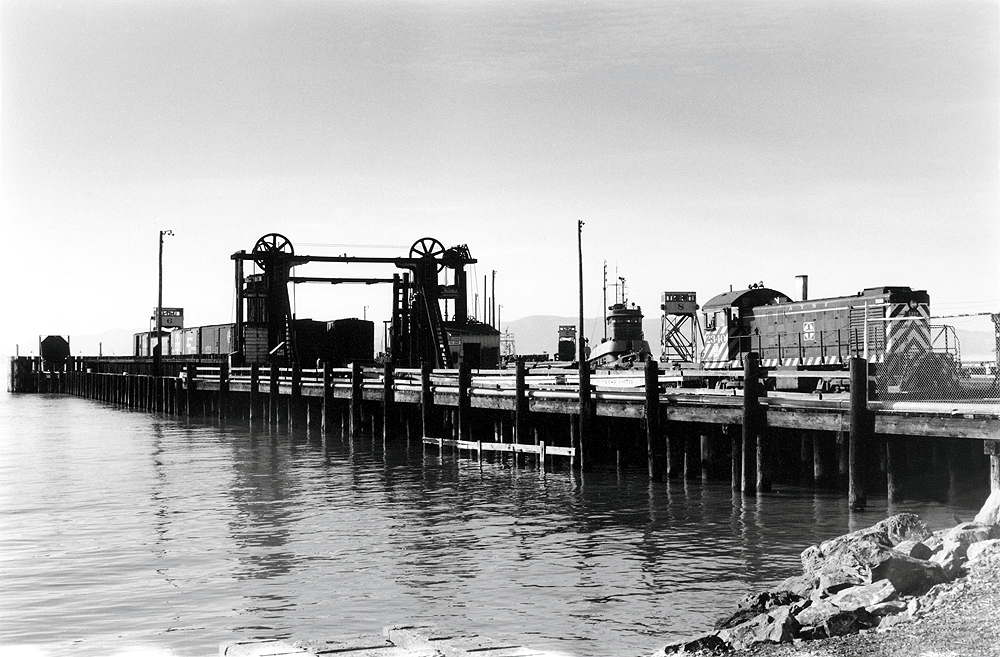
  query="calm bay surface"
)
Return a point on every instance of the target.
[{"x": 124, "y": 532}]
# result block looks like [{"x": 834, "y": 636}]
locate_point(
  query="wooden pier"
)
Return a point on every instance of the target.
[{"x": 634, "y": 417}]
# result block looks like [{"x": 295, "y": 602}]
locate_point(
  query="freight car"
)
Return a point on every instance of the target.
[
  {"x": 887, "y": 325},
  {"x": 337, "y": 342}
]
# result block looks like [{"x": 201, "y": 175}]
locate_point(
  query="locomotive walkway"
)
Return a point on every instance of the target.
[{"x": 624, "y": 415}]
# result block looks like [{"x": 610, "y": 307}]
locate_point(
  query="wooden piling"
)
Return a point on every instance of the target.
[
  {"x": 388, "y": 401},
  {"x": 326, "y": 423},
  {"x": 861, "y": 434},
  {"x": 426, "y": 399},
  {"x": 820, "y": 468},
  {"x": 178, "y": 395},
  {"x": 521, "y": 424},
  {"x": 357, "y": 380},
  {"x": 751, "y": 412},
  {"x": 586, "y": 412},
  {"x": 254, "y": 403},
  {"x": 272, "y": 394},
  {"x": 223, "y": 389},
  {"x": 295, "y": 399},
  {"x": 654, "y": 449},
  {"x": 189, "y": 374},
  {"x": 707, "y": 455},
  {"x": 464, "y": 429},
  {"x": 992, "y": 449},
  {"x": 893, "y": 461},
  {"x": 736, "y": 442}
]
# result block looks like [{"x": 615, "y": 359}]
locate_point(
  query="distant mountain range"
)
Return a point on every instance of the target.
[{"x": 539, "y": 334}]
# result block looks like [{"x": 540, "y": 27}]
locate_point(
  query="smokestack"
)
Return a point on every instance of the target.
[{"x": 803, "y": 280}]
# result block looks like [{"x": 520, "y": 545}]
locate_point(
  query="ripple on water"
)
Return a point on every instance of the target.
[{"x": 125, "y": 529}]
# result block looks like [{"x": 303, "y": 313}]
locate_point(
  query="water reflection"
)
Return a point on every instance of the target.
[{"x": 219, "y": 534}]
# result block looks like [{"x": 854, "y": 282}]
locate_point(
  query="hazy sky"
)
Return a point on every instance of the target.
[{"x": 704, "y": 144}]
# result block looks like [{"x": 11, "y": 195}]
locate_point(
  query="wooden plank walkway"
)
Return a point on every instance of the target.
[{"x": 395, "y": 641}]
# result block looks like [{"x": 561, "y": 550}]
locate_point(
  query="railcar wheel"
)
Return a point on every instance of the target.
[
  {"x": 428, "y": 247},
  {"x": 270, "y": 245}
]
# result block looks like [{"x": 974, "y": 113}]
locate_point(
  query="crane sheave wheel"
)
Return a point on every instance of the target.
[
  {"x": 270, "y": 245},
  {"x": 428, "y": 247}
]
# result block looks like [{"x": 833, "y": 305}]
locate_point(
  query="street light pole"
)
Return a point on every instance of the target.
[{"x": 158, "y": 355}]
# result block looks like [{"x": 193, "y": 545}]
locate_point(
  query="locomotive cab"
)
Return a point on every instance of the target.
[{"x": 728, "y": 319}]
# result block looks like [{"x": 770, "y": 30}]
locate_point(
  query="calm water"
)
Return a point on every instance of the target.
[{"x": 123, "y": 531}]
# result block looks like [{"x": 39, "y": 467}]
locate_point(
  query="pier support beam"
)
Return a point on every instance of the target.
[{"x": 992, "y": 448}]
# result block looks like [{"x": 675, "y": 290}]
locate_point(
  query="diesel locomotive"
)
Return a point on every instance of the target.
[{"x": 890, "y": 326}]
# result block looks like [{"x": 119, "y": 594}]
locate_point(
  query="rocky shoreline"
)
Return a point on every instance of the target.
[{"x": 895, "y": 588}]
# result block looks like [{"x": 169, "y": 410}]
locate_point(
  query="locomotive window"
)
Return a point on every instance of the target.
[{"x": 710, "y": 321}]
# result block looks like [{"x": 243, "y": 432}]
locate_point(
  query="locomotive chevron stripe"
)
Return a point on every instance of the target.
[{"x": 908, "y": 331}]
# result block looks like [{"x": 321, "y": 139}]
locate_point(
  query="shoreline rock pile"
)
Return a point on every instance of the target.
[{"x": 871, "y": 578}]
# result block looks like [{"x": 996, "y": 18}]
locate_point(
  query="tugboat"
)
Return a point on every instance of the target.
[{"x": 626, "y": 346}]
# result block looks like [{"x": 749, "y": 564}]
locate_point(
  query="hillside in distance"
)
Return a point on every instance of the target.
[{"x": 539, "y": 334}]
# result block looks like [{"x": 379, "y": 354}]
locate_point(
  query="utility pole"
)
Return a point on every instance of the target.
[
  {"x": 584, "y": 366},
  {"x": 158, "y": 355},
  {"x": 605, "y": 299}
]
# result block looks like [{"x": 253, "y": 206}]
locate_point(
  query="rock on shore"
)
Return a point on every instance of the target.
[{"x": 867, "y": 581}]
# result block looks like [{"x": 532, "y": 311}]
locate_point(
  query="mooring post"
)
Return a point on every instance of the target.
[
  {"x": 992, "y": 449},
  {"x": 861, "y": 434},
  {"x": 750, "y": 449},
  {"x": 223, "y": 389},
  {"x": 654, "y": 442},
  {"x": 327, "y": 418},
  {"x": 520, "y": 402},
  {"x": 356, "y": 392},
  {"x": 426, "y": 398},
  {"x": 388, "y": 401},
  {"x": 464, "y": 409}
]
